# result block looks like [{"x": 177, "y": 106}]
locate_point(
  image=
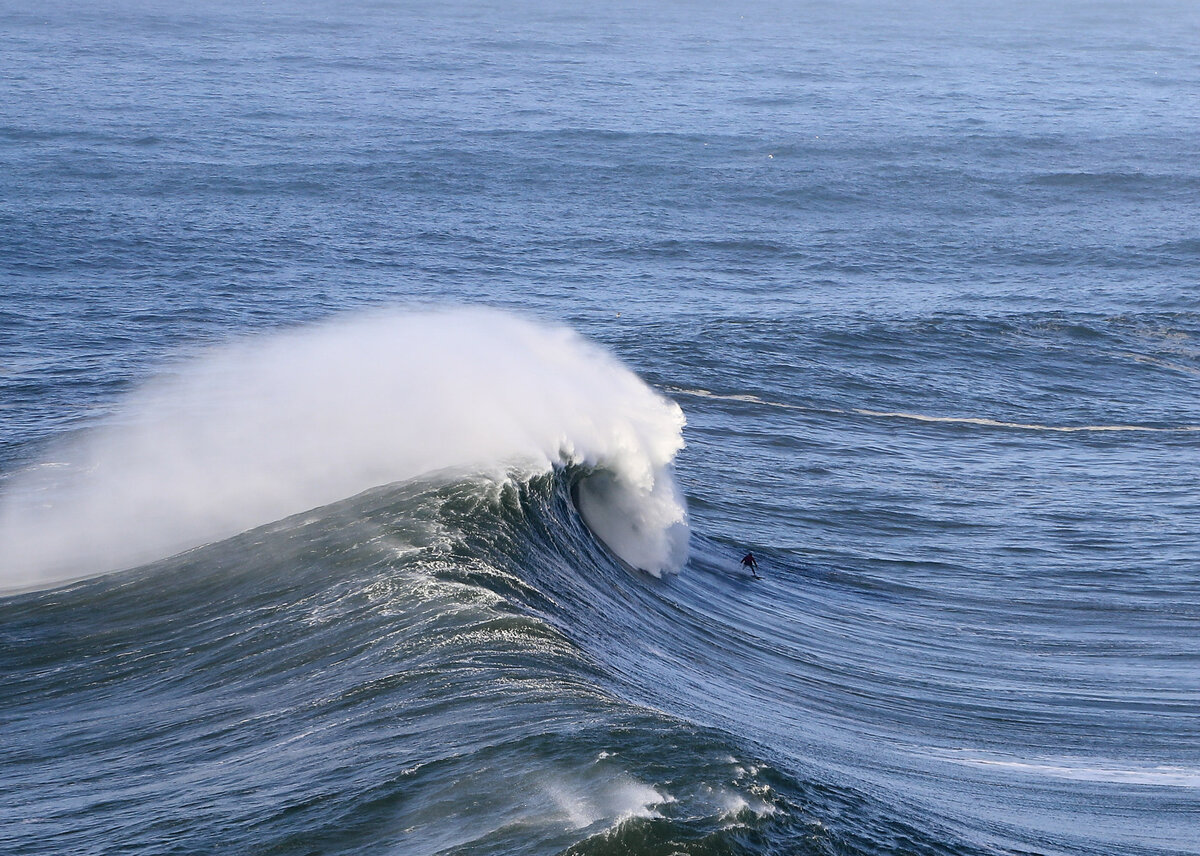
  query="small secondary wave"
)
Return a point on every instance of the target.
[
  {"x": 921, "y": 417},
  {"x": 272, "y": 426}
]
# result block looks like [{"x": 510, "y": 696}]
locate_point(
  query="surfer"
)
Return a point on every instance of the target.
[{"x": 751, "y": 563}]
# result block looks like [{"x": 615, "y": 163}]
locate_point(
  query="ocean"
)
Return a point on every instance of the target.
[{"x": 390, "y": 390}]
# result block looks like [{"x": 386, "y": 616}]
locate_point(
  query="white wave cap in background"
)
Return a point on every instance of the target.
[{"x": 253, "y": 432}]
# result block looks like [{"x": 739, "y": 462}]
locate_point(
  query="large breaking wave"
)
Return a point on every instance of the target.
[{"x": 254, "y": 431}]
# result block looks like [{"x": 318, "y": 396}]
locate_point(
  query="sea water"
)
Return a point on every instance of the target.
[{"x": 389, "y": 390}]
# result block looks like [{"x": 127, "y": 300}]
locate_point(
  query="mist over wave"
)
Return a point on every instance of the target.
[{"x": 257, "y": 430}]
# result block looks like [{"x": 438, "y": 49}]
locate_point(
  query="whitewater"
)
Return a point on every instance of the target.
[{"x": 261, "y": 430}]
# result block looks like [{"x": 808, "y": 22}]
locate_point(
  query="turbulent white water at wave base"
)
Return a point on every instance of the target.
[{"x": 254, "y": 431}]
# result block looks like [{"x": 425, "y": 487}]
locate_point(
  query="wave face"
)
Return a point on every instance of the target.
[
  {"x": 256, "y": 431},
  {"x": 433, "y": 667}
]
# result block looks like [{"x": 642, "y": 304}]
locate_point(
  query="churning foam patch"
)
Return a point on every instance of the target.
[
  {"x": 258, "y": 430},
  {"x": 586, "y": 804}
]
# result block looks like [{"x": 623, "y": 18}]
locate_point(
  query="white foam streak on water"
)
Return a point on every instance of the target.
[
  {"x": 922, "y": 417},
  {"x": 269, "y": 427},
  {"x": 1113, "y": 773}
]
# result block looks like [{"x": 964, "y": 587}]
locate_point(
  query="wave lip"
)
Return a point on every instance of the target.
[{"x": 252, "y": 432}]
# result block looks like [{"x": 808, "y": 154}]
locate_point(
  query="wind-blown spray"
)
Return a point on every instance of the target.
[{"x": 252, "y": 432}]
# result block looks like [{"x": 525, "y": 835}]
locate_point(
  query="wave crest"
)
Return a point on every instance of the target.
[{"x": 255, "y": 431}]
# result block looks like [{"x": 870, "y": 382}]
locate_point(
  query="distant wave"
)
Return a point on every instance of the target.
[
  {"x": 922, "y": 417},
  {"x": 255, "y": 431}
]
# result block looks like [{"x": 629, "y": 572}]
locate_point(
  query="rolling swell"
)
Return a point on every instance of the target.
[
  {"x": 354, "y": 678},
  {"x": 459, "y": 660},
  {"x": 453, "y": 663}
]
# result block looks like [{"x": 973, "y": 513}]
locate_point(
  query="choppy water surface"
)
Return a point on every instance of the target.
[{"x": 921, "y": 280}]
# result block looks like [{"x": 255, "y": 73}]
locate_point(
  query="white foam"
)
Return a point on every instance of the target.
[
  {"x": 1079, "y": 769},
  {"x": 275, "y": 425},
  {"x": 1165, "y": 775},
  {"x": 953, "y": 420},
  {"x": 585, "y": 804}
]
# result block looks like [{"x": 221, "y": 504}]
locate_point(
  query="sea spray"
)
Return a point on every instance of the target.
[{"x": 257, "y": 430}]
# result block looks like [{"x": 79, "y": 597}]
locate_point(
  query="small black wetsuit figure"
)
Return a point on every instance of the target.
[{"x": 751, "y": 563}]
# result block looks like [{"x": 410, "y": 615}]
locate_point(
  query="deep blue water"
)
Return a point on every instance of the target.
[{"x": 923, "y": 279}]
